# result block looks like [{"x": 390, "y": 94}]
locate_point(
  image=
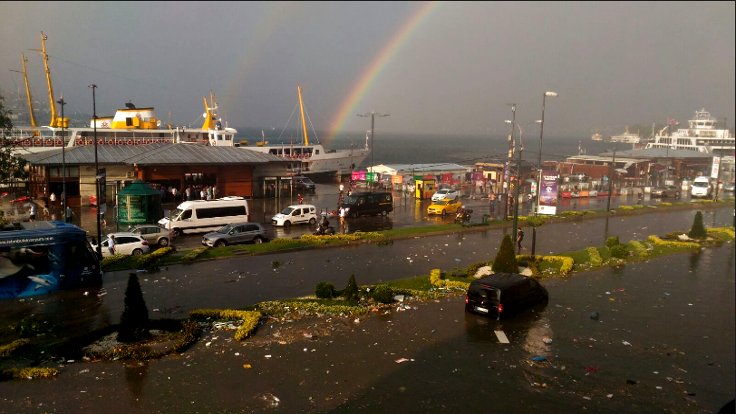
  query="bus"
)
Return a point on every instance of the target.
[
  {"x": 201, "y": 216},
  {"x": 45, "y": 256}
]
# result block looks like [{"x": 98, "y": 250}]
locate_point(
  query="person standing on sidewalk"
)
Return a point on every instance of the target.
[
  {"x": 519, "y": 238},
  {"x": 68, "y": 214}
]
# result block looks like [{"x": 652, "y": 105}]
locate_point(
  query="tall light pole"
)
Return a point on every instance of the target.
[
  {"x": 97, "y": 171},
  {"x": 517, "y": 188},
  {"x": 507, "y": 169},
  {"x": 541, "y": 134},
  {"x": 373, "y": 116},
  {"x": 63, "y": 157}
]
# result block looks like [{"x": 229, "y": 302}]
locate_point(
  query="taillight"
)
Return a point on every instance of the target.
[
  {"x": 500, "y": 307},
  {"x": 466, "y": 299},
  {"x": 145, "y": 243}
]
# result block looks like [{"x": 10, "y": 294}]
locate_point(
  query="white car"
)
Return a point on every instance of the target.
[
  {"x": 296, "y": 214},
  {"x": 126, "y": 243},
  {"x": 445, "y": 194}
]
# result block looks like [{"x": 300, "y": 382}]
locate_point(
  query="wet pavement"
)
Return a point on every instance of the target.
[
  {"x": 452, "y": 360},
  {"x": 662, "y": 342}
]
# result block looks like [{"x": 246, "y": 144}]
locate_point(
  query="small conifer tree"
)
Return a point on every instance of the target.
[
  {"x": 351, "y": 290},
  {"x": 505, "y": 261},
  {"x": 134, "y": 321},
  {"x": 698, "y": 229}
]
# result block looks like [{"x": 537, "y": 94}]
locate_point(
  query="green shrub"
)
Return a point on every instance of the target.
[
  {"x": 612, "y": 241},
  {"x": 619, "y": 251},
  {"x": 595, "y": 256},
  {"x": 505, "y": 261},
  {"x": 698, "y": 229},
  {"x": 325, "y": 290},
  {"x": 350, "y": 293},
  {"x": 383, "y": 294}
]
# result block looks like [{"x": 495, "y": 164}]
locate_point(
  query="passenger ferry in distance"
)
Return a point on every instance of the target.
[{"x": 702, "y": 135}]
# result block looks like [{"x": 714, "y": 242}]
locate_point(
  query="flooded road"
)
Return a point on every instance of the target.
[
  {"x": 662, "y": 341},
  {"x": 664, "y": 323}
]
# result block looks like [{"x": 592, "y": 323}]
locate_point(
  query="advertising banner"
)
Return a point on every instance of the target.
[
  {"x": 715, "y": 167},
  {"x": 548, "y": 193}
]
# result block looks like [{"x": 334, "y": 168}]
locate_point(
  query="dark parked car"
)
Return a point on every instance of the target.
[
  {"x": 304, "y": 184},
  {"x": 668, "y": 191},
  {"x": 235, "y": 233},
  {"x": 504, "y": 294}
]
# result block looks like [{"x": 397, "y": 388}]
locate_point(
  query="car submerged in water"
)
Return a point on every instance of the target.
[{"x": 504, "y": 294}]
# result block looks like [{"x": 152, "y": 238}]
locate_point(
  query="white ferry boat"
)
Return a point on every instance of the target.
[
  {"x": 702, "y": 135},
  {"x": 314, "y": 158},
  {"x": 626, "y": 138},
  {"x": 129, "y": 126}
]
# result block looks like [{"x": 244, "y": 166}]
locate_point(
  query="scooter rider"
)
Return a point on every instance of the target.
[{"x": 324, "y": 224}]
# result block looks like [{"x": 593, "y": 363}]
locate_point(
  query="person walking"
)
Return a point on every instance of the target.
[
  {"x": 111, "y": 244},
  {"x": 68, "y": 214},
  {"x": 519, "y": 238},
  {"x": 34, "y": 210}
]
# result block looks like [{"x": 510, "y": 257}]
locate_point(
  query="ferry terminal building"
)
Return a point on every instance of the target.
[{"x": 233, "y": 171}]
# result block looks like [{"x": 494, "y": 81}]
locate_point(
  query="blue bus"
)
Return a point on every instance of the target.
[{"x": 41, "y": 257}]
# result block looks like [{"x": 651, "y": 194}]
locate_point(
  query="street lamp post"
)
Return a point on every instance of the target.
[
  {"x": 63, "y": 157},
  {"x": 507, "y": 170},
  {"x": 97, "y": 171},
  {"x": 517, "y": 188},
  {"x": 373, "y": 116}
]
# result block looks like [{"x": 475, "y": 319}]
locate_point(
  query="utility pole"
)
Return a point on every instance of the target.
[
  {"x": 507, "y": 169},
  {"x": 97, "y": 172},
  {"x": 63, "y": 157},
  {"x": 610, "y": 180},
  {"x": 373, "y": 116}
]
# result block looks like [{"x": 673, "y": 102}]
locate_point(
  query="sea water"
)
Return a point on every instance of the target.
[{"x": 464, "y": 150}]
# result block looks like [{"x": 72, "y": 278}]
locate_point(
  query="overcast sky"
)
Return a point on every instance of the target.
[{"x": 447, "y": 68}]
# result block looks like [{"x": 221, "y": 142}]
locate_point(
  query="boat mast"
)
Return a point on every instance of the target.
[
  {"x": 304, "y": 120},
  {"x": 31, "y": 115},
  {"x": 55, "y": 122}
]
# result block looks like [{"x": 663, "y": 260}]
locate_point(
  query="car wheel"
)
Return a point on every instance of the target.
[
  {"x": 444, "y": 213},
  {"x": 220, "y": 243},
  {"x": 176, "y": 232},
  {"x": 137, "y": 252},
  {"x": 163, "y": 242},
  {"x": 287, "y": 224},
  {"x": 312, "y": 221},
  {"x": 257, "y": 240}
]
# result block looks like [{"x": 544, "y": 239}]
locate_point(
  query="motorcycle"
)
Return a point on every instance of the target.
[
  {"x": 322, "y": 231},
  {"x": 463, "y": 216}
]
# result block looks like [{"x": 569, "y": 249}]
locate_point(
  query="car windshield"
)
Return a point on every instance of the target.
[
  {"x": 443, "y": 202},
  {"x": 700, "y": 184},
  {"x": 175, "y": 213},
  {"x": 351, "y": 200},
  {"x": 287, "y": 211},
  {"x": 443, "y": 191}
]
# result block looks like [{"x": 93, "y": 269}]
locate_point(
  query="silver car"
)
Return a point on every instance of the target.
[
  {"x": 235, "y": 233},
  {"x": 153, "y": 234}
]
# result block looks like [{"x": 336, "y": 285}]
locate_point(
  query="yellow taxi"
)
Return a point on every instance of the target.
[{"x": 444, "y": 206}]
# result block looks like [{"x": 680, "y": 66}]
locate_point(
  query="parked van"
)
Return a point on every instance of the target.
[
  {"x": 296, "y": 214},
  {"x": 700, "y": 187},
  {"x": 359, "y": 204},
  {"x": 201, "y": 216}
]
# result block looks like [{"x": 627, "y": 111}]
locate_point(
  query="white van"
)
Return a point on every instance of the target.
[
  {"x": 700, "y": 187},
  {"x": 296, "y": 214},
  {"x": 201, "y": 216}
]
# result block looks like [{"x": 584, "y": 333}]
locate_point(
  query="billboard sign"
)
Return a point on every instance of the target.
[{"x": 548, "y": 193}]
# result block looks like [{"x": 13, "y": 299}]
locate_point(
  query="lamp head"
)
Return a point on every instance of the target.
[{"x": 550, "y": 93}]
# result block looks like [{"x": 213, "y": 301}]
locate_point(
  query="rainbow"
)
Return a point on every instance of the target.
[{"x": 366, "y": 79}]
